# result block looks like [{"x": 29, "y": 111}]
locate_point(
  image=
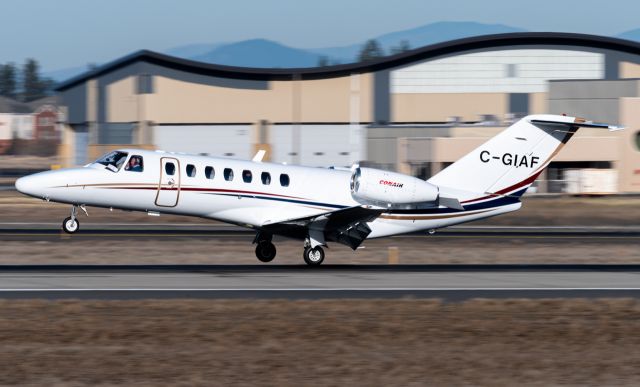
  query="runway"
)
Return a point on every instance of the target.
[
  {"x": 52, "y": 231},
  {"x": 449, "y": 282}
]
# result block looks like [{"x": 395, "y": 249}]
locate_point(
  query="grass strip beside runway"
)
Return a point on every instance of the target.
[{"x": 322, "y": 342}]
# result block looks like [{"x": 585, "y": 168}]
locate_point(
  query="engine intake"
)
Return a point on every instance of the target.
[{"x": 391, "y": 190}]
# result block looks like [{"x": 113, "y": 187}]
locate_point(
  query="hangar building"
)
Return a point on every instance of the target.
[{"x": 415, "y": 112}]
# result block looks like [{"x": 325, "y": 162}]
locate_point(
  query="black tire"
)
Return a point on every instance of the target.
[
  {"x": 313, "y": 256},
  {"x": 265, "y": 251},
  {"x": 70, "y": 226}
]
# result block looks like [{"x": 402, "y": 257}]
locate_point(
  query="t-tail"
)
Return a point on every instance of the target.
[{"x": 506, "y": 165}]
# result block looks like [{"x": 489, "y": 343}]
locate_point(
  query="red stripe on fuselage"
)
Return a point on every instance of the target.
[
  {"x": 154, "y": 188},
  {"x": 514, "y": 187}
]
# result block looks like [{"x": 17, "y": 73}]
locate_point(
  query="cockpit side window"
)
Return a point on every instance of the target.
[
  {"x": 135, "y": 164},
  {"x": 113, "y": 161}
]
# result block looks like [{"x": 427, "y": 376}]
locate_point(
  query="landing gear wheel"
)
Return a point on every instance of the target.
[
  {"x": 70, "y": 225},
  {"x": 313, "y": 256},
  {"x": 265, "y": 251}
]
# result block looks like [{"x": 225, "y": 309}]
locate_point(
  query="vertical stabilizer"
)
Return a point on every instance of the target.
[{"x": 509, "y": 163}]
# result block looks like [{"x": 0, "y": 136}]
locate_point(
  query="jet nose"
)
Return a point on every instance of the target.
[{"x": 29, "y": 185}]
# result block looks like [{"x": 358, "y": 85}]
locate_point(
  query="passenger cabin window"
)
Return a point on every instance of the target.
[
  {"x": 191, "y": 170},
  {"x": 209, "y": 172},
  {"x": 284, "y": 180},
  {"x": 170, "y": 168},
  {"x": 134, "y": 164},
  {"x": 228, "y": 174},
  {"x": 247, "y": 176},
  {"x": 266, "y": 178}
]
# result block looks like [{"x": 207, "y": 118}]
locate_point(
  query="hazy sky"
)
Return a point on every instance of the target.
[{"x": 69, "y": 33}]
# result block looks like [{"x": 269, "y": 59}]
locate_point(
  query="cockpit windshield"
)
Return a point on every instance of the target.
[{"x": 113, "y": 161}]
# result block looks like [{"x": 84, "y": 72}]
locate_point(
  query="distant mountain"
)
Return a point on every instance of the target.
[
  {"x": 266, "y": 53},
  {"x": 630, "y": 35},
  {"x": 419, "y": 37},
  {"x": 259, "y": 53},
  {"x": 192, "y": 50}
]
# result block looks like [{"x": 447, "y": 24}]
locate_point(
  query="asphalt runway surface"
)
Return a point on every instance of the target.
[
  {"x": 52, "y": 231},
  {"x": 449, "y": 282}
]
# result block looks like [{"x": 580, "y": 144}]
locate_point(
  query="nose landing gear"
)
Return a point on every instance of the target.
[{"x": 71, "y": 224}]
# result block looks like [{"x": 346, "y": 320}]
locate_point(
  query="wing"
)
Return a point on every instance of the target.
[{"x": 347, "y": 226}]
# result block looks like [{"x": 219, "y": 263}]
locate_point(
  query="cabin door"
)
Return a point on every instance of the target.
[{"x": 169, "y": 185}]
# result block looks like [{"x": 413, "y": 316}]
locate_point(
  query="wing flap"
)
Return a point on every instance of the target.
[{"x": 347, "y": 226}]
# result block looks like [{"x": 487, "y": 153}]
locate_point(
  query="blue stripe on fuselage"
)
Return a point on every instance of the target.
[
  {"x": 283, "y": 200},
  {"x": 493, "y": 203}
]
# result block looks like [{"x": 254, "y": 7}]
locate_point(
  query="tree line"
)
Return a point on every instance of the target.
[
  {"x": 372, "y": 49},
  {"x": 24, "y": 84}
]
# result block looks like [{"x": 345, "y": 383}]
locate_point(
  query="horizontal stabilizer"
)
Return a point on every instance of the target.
[{"x": 581, "y": 122}]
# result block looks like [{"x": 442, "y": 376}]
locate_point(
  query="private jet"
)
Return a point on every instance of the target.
[{"x": 313, "y": 205}]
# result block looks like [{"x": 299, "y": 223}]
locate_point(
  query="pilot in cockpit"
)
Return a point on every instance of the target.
[{"x": 135, "y": 164}]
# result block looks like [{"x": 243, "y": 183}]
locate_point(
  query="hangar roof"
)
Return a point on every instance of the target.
[
  {"x": 387, "y": 62},
  {"x": 8, "y": 105}
]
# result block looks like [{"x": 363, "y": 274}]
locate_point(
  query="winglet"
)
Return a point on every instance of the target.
[{"x": 259, "y": 156}]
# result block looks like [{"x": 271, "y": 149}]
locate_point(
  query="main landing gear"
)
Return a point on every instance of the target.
[
  {"x": 71, "y": 224},
  {"x": 266, "y": 251},
  {"x": 313, "y": 256}
]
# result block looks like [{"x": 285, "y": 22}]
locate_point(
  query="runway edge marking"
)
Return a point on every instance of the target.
[{"x": 303, "y": 289}]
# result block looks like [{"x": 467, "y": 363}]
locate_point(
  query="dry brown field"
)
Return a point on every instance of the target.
[{"x": 406, "y": 342}]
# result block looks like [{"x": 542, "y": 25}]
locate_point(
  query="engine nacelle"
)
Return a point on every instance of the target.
[{"x": 391, "y": 190}]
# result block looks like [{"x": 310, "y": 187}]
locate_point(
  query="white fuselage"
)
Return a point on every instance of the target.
[{"x": 247, "y": 202}]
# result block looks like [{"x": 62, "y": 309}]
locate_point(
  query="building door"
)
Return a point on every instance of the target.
[
  {"x": 169, "y": 185},
  {"x": 81, "y": 144}
]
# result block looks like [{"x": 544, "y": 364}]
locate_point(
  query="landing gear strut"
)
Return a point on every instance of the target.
[
  {"x": 71, "y": 224},
  {"x": 265, "y": 250}
]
